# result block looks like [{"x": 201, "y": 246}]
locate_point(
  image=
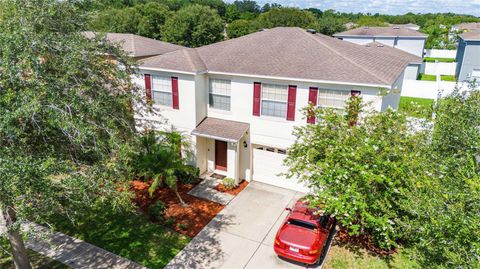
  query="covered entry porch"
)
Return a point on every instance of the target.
[{"x": 223, "y": 147}]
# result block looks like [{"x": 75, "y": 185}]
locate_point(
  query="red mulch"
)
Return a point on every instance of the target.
[
  {"x": 221, "y": 188},
  {"x": 194, "y": 217},
  {"x": 363, "y": 241}
]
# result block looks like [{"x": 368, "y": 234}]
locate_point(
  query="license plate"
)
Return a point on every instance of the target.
[{"x": 294, "y": 249}]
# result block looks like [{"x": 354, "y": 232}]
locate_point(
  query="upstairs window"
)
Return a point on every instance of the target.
[
  {"x": 162, "y": 90},
  {"x": 332, "y": 98},
  {"x": 219, "y": 94},
  {"x": 274, "y": 100}
]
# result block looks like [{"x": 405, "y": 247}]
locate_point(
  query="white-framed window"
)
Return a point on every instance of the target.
[
  {"x": 274, "y": 100},
  {"x": 162, "y": 90},
  {"x": 332, "y": 98},
  {"x": 476, "y": 73},
  {"x": 219, "y": 94}
]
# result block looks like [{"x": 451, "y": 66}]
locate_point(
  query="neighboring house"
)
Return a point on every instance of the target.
[
  {"x": 398, "y": 37},
  {"x": 465, "y": 27},
  {"x": 240, "y": 99},
  {"x": 411, "y": 26},
  {"x": 138, "y": 47},
  {"x": 468, "y": 56}
]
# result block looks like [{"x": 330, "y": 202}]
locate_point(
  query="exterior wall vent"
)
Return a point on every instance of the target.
[{"x": 312, "y": 31}]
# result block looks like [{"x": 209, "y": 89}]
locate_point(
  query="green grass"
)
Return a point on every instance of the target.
[
  {"x": 416, "y": 107},
  {"x": 38, "y": 261},
  {"x": 128, "y": 234},
  {"x": 448, "y": 78},
  {"x": 427, "y": 77},
  {"x": 346, "y": 257},
  {"x": 440, "y": 60}
]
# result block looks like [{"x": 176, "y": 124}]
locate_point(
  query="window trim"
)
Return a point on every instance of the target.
[
  {"x": 161, "y": 91},
  {"x": 274, "y": 101},
  {"x": 210, "y": 80},
  {"x": 348, "y": 94}
]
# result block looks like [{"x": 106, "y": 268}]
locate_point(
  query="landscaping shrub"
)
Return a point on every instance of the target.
[
  {"x": 157, "y": 210},
  {"x": 440, "y": 60},
  {"x": 188, "y": 174},
  {"x": 427, "y": 77},
  {"x": 229, "y": 183},
  {"x": 416, "y": 107}
]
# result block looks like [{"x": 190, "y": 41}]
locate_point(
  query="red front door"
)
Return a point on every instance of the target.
[{"x": 221, "y": 155}]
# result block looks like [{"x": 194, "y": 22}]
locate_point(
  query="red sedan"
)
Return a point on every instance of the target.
[{"x": 303, "y": 234}]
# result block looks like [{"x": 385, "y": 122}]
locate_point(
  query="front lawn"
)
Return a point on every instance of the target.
[
  {"x": 440, "y": 60},
  {"x": 38, "y": 261},
  {"x": 448, "y": 78},
  {"x": 344, "y": 256},
  {"x": 427, "y": 77},
  {"x": 127, "y": 234},
  {"x": 416, "y": 107}
]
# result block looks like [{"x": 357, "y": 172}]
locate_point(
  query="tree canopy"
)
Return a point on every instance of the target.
[
  {"x": 66, "y": 113},
  {"x": 193, "y": 26}
]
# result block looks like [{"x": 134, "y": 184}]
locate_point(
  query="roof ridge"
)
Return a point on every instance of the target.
[
  {"x": 346, "y": 58},
  {"x": 187, "y": 54}
]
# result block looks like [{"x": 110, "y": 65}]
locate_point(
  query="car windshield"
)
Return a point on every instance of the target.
[{"x": 301, "y": 223}]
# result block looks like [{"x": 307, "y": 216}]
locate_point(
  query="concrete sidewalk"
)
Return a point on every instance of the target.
[
  {"x": 206, "y": 190},
  {"x": 70, "y": 251},
  {"x": 242, "y": 235}
]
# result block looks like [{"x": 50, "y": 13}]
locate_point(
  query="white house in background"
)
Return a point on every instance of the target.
[
  {"x": 398, "y": 37},
  {"x": 240, "y": 99},
  {"x": 137, "y": 47}
]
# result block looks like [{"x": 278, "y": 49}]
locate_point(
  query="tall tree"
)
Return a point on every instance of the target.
[
  {"x": 65, "y": 110},
  {"x": 193, "y": 26},
  {"x": 287, "y": 17},
  {"x": 361, "y": 173}
]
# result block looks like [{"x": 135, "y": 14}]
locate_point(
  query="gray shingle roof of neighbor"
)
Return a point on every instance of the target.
[
  {"x": 291, "y": 53},
  {"x": 138, "y": 46},
  {"x": 382, "y": 31},
  {"x": 472, "y": 35},
  {"x": 394, "y": 52},
  {"x": 227, "y": 130},
  {"x": 468, "y": 26}
]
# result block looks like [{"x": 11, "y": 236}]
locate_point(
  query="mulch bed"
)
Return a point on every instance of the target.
[
  {"x": 193, "y": 218},
  {"x": 363, "y": 241},
  {"x": 221, "y": 188}
]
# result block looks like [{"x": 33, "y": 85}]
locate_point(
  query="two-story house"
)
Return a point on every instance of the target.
[
  {"x": 239, "y": 100},
  {"x": 468, "y": 56}
]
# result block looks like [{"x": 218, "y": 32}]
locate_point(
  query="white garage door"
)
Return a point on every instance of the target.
[{"x": 268, "y": 164}]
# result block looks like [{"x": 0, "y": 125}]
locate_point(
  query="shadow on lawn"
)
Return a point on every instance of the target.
[
  {"x": 127, "y": 234},
  {"x": 205, "y": 249}
]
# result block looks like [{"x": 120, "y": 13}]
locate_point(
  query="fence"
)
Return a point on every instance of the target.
[
  {"x": 426, "y": 89},
  {"x": 435, "y": 53},
  {"x": 439, "y": 68}
]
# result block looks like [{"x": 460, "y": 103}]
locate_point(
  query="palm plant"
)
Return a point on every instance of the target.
[{"x": 160, "y": 159}]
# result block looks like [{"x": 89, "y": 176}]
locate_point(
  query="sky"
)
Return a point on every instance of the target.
[{"x": 393, "y": 7}]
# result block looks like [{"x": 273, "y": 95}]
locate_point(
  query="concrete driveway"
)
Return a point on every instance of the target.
[{"x": 242, "y": 235}]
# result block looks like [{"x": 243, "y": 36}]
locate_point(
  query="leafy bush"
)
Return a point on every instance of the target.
[
  {"x": 229, "y": 183},
  {"x": 188, "y": 174},
  {"x": 157, "y": 210}
]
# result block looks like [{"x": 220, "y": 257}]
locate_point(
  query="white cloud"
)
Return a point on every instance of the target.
[{"x": 387, "y": 6}]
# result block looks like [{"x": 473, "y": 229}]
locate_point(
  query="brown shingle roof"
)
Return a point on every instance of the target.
[
  {"x": 382, "y": 31},
  {"x": 291, "y": 53},
  {"x": 138, "y": 46},
  {"x": 227, "y": 130},
  {"x": 472, "y": 35},
  {"x": 468, "y": 26}
]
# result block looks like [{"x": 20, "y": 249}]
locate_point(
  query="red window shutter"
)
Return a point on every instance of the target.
[
  {"x": 312, "y": 98},
  {"x": 355, "y": 93},
  {"x": 257, "y": 93},
  {"x": 292, "y": 97},
  {"x": 175, "y": 93},
  {"x": 148, "y": 87}
]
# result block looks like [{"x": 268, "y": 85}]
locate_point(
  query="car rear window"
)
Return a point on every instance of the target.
[{"x": 301, "y": 223}]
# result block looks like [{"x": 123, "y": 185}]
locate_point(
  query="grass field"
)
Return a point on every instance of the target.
[
  {"x": 129, "y": 234},
  {"x": 448, "y": 78},
  {"x": 345, "y": 257},
  {"x": 440, "y": 60},
  {"x": 416, "y": 107},
  {"x": 427, "y": 77}
]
